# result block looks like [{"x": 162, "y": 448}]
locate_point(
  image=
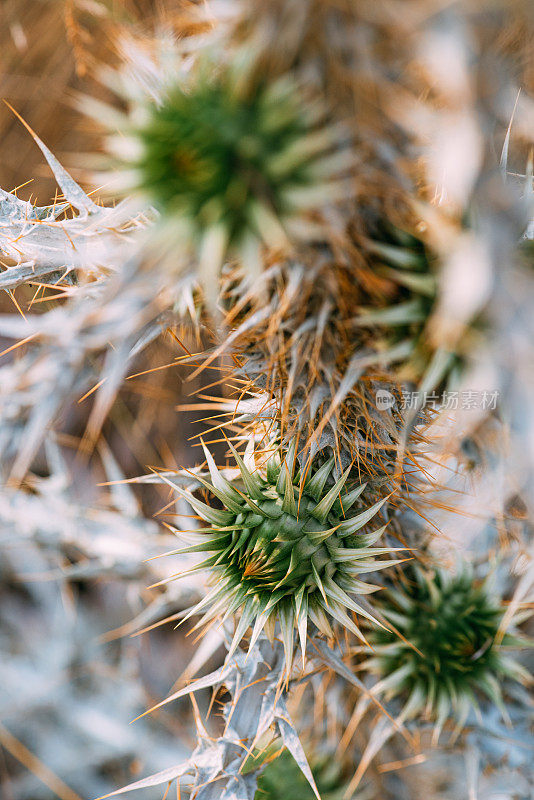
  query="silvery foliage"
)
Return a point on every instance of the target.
[
  {"x": 69, "y": 573},
  {"x": 257, "y": 704},
  {"x": 493, "y": 760},
  {"x": 116, "y": 305},
  {"x": 512, "y": 358},
  {"x": 112, "y": 539}
]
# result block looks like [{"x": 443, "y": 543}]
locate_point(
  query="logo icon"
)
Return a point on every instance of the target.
[{"x": 384, "y": 400}]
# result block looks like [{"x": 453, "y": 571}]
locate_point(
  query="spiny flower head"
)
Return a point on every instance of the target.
[
  {"x": 286, "y": 548},
  {"x": 213, "y": 153},
  {"x": 451, "y": 645},
  {"x": 230, "y": 159}
]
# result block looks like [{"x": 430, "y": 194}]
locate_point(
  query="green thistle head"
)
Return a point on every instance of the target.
[
  {"x": 282, "y": 778},
  {"x": 451, "y": 646},
  {"x": 213, "y": 153},
  {"x": 232, "y": 160},
  {"x": 286, "y": 548}
]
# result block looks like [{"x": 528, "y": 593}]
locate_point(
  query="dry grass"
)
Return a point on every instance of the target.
[{"x": 49, "y": 51}]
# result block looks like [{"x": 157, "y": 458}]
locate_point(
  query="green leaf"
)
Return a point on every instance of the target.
[
  {"x": 354, "y": 524},
  {"x": 322, "y": 509},
  {"x": 252, "y": 483},
  {"x": 315, "y": 485}
]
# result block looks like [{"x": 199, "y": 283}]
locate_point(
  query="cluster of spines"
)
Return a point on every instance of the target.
[
  {"x": 321, "y": 339},
  {"x": 448, "y": 645},
  {"x": 233, "y": 162},
  {"x": 286, "y": 547}
]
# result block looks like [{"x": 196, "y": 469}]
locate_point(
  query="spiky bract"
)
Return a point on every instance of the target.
[
  {"x": 285, "y": 548},
  {"x": 405, "y": 279},
  {"x": 451, "y": 646}
]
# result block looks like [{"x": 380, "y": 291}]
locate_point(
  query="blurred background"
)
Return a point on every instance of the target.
[{"x": 73, "y": 574}]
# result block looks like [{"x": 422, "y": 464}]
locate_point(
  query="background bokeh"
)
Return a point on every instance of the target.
[{"x": 72, "y": 553}]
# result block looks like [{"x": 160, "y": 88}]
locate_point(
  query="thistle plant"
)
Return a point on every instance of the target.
[
  {"x": 286, "y": 548},
  {"x": 294, "y": 180},
  {"x": 230, "y": 160},
  {"x": 323, "y": 340},
  {"x": 450, "y": 646}
]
